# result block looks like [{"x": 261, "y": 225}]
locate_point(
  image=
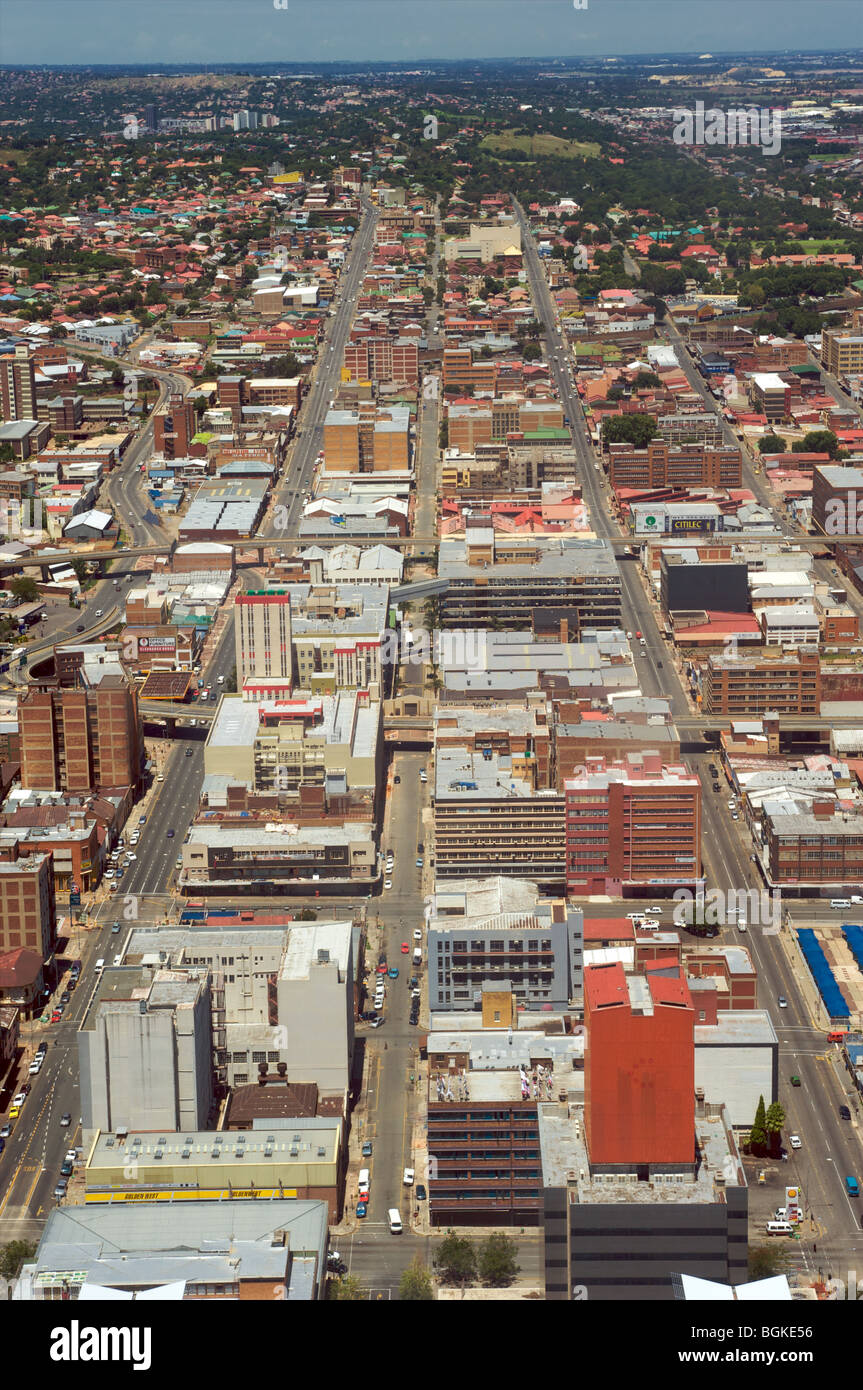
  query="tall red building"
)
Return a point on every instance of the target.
[
  {"x": 174, "y": 429},
  {"x": 639, "y": 1082}
]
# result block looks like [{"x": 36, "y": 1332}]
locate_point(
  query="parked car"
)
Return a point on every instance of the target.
[
  {"x": 844, "y": 1112},
  {"x": 367, "y": 1149},
  {"x": 420, "y": 1192},
  {"x": 418, "y": 936},
  {"x": 795, "y": 1141},
  {"x": 408, "y": 1178},
  {"x": 388, "y": 883},
  {"x": 362, "y": 1208},
  {"x": 6, "y": 1130},
  {"x": 66, "y": 1169}
]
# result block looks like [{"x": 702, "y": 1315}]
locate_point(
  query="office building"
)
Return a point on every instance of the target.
[
  {"x": 841, "y": 352},
  {"x": 499, "y": 935},
  {"x": 485, "y": 1090},
  {"x": 497, "y": 579},
  {"x": 491, "y": 818},
  {"x": 282, "y": 996},
  {"x": 786, "y": 681},
  {"x": 636, "y": 821},
  {"x": 663, "y": 465},
  {"x": 644, "y": 1181}
]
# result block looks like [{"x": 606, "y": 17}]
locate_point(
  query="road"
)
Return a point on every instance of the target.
[{"x": 812, "y": 1109}]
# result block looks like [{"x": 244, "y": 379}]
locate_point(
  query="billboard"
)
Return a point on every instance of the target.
[
  {"x": 195, "y": 1195},
  {"x": 157, "y": 644},
  {"x": 688, "y": 525},
  {"x": 294, "y": 177}
]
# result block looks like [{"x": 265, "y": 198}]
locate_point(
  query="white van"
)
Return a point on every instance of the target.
[
  {"x": 100, "y": 965},
  {"x": 780, "y": 1228},
  {"x": 364, "y": 1182},
  {"x": 395, "y": 1220},
  {"x": 418, "y": 955},
  {"x": 840, "y": 903}
]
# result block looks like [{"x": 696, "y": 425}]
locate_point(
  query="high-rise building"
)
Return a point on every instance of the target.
[
  {"x": 644, "y": 1182},
  {"x": 639, "y": 1068},
  {"x": 150, "y": 119},
  {"x": 18, "y": 386},
  {"x": 174, "y": 428},
  {"x": 82, "y": 738},
  {"x": 262, "y": 632},
  {"x": 145, "y": 1051},
  {"x": 28, "y": 914}
]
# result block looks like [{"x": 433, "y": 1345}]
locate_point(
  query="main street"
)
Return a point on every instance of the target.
[{"x": 812, "y": 1108}]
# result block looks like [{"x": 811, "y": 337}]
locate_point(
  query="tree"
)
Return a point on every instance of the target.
[
  {"x": 13, "y": 1256},
  {"x": 758, "y": 1133},
  {"x": 346, "y": 1290},
  {"x": 646, "y": 379},
  {"x": 817, "y": 442},
  {"x": 455, "y": 1260},
  {"x": 774, "y": 1123},
  {"x": 497, "y": 1260},
  {"x": 80, "y": 568},
  {"x": 637, "y": 430},
  {"x": 415, "y": 1285},
  {"x": 766, "y": 1260},
  {"x": 25, "y": 589},
  {"x": 531, "y": 352},
  {"x": 772, "y": 444}
]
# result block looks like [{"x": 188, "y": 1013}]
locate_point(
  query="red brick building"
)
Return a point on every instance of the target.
[{"x": 633, "y": 821}]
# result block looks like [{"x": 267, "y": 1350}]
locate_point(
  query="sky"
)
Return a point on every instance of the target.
[{"x": 233, "y": 31}]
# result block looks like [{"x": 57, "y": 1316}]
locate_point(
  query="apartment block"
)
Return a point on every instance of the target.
[
  {"x": 262, "y": 636},
  {"x": 368, "y": 439},
  {"x": 174, "y": 428},
  {"x": 28, "y": 914},
  {"x": 18, "y": 386},
  {"x": 460, "y": 370},
  {"x": 637, "y": 821},
  {"x": 84, "y": 738},
  {"x": 663, "y": 465},
  {"x": 383, "y": 359},
  {"x": 787, "y": 682}
]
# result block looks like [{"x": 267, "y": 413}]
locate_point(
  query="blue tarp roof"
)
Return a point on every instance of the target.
[{"x": 834, "y": 1000}]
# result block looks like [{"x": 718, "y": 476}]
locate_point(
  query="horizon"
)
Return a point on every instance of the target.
[{"x": 356, "y": 33}]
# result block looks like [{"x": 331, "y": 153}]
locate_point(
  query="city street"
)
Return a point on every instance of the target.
[{"x": 812, "y": 1109}]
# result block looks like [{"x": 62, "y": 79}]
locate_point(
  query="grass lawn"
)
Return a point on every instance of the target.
[{"x": 539, "y": 145}]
